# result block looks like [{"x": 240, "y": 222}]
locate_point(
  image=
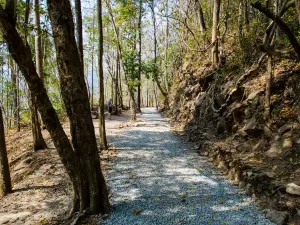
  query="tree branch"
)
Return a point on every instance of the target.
[{"x": 281, "y": 24}]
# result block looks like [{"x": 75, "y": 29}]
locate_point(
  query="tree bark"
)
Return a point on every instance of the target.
[
  {"x": 5, "y": 181},
  {"x": 79, "y": 29},
  {"x": 268, "y": 87},
  {"x": 76, "y": 101},
  {"x": 216, "y": 18},
  {"x": 116, "y": 85},
  {"x": 38, "y": 140},
  {"x": 140, "y": 56},
  {"x": 202, "y": 25},
  {"x": 103, "y": 140},
  {"x": 92, "y": 92},
  {"x": 81, "y": 163},
  {"x": 297, "y": 2}
]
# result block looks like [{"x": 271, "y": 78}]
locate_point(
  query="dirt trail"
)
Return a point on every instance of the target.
[{"x": 41, "y": 186}]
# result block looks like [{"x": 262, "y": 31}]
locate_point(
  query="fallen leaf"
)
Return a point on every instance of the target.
[
  {"x": 136, "y": 211},
  {"x": 182, "y": 196}
]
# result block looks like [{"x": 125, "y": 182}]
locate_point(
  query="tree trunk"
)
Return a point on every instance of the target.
[
  {"x": 103, "y": 140},
  {"x": 155, "y": 75},
  {"x": 268, "y": 87},
  {"x": 202, "y": 25},
  {"x": 82, "y": 163},
  {"x": 15, "y": 96},
  {"x": 79, "y": 29},
  {"x": 38, "y": 140},
  {"x": 120, "y": 86},
  {"x": 216, "y": 16},
  {"x": 17, "y": 112},
  {"x": 246, "y": 15},
  {"x": 297, "y": 2},
  {"x": 92, "y": 93},
  {"x": 5, "y": 181},
  {"x": 116, "y": 87},
  {"x": 140, "y": 56},
  {"x": 76, "y": 101}
]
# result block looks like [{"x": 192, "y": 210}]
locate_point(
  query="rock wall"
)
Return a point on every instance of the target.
[{"x": 228, "y": 124}]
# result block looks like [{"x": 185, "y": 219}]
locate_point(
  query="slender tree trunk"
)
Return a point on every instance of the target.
[
  {"x": 38, "y": 140},
  {"x": 2, "y": 83},
  {"x": 5, "y": 181},
  {"x": 17, "y": 112},
  {"x": 140, "y": 56},
  {"x": 15, "y": 94},
  {"x": 103, "y": 140},
  {"x": 202, "y": 25},
  {"x": 216, "y": 16},
  {"x": 79, "y": 29},
  {"x": 120, "y": 86},
  {"x": 155, "y": 75},
  {"x": 116, "y": 84},
  {"x": 268, "y": 87},
  {"x": 92, "y": 93},
  {"x": 246, "y": 15},
  {"x": 298, "y": 9}
]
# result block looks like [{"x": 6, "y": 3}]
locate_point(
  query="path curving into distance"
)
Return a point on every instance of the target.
[{"x": 158, "y": 180}]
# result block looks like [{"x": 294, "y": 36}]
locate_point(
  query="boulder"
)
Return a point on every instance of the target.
[
  {"x": 275, "y": 150},
  {"x": 221, "y": 127},
  {"x": 293, "y": 189},
  {"x": 247, "y": 145},
  {"x": 277, "y": 217},
  {"x": 252, "y": 128},
  {"x": 200, "y": 98}
]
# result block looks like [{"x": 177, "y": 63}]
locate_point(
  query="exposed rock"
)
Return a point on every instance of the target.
[
  {"x": 221, "y": 127},
  {"x": 293, "y": 189},
  {"x": 247, "y": 145},
  {"x": 259, "y": 146},
  {"x": 187, "y": 91},
  {"x": 252, "y": 128},
  {"x": 277, "y": 217},
  {"x": 241, "y": 132},
  {"x": 267, "y": 132},
  {"x": 200, "y": 98},
  {"x": 287, "y": 143},
  {"x": 275, "y": 150},
  {"x": 284, "y": 129},
  {"x": 249, "y": 189},
  {"x": 238, "y": 94},
  {"x": 248, "y": 113},
  {"x": 253, "y": 95}
]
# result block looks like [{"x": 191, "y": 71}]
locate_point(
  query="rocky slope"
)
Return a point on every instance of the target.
[{"x": 223, "y": 114}]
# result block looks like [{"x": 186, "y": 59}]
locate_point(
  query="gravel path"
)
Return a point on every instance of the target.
[{"x": 157, "y": 179}]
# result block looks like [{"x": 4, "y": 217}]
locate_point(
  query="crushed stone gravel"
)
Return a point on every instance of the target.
[{"x": 158, "y": 179}]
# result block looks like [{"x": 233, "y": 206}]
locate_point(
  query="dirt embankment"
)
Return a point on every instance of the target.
[
  {"x": 228, "y": 125},
  {"x": 42, "y": 191}
]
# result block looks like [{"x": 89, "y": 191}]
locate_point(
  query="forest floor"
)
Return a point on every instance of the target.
[
  {"x": 158, "y": 177},
  {"x": 41, "y": 186}
]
